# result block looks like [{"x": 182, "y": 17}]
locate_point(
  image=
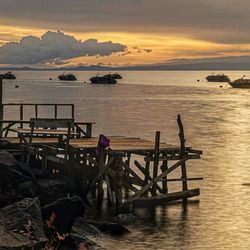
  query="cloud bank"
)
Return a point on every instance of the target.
[
  {"x": 55, "y": 46},
  {"x": 225, "y": 21}
]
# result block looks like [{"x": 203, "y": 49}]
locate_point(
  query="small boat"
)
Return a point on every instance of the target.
[
  {"x": 115, "y": 75},
  {"x": 7, "y": 75},
  {"x": 218, "y": 78},
  {"x": 67, "y": 77},
  {"x": 241, "y": 83},
  {"x": 106, "y": 79}
]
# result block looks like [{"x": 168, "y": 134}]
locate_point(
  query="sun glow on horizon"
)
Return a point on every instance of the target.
[{"x": 142, "y": 48}]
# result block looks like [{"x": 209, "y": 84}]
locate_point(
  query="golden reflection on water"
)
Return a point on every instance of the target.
[{"x": 216, "y": 121}]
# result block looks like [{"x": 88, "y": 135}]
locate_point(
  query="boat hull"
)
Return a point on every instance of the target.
[
  {"x": 7, "y": 76},
  {"x": 240, "y": 85},
  {"x": 67, "y": 77},
  {"x": 217, "y": 78},
  {"x": 102, "y": 80}
]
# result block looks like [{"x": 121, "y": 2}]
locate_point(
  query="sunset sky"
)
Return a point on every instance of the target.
[{"x": 117, "y": 32}]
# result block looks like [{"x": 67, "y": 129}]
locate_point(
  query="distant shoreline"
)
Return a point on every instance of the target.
[{"x": 142, "y": 68}]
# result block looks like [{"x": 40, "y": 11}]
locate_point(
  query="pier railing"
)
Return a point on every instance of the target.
[{"x": 35, "y": 107}]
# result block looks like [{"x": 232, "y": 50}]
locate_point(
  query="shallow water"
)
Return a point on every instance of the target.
[{"x": 216, "y": 120}]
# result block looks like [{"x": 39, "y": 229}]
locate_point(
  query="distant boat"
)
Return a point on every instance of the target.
[
  {"x": 241, "y": 83},
  {"x": 106, "y": 79},
  {"x": 218, "y": 78},
  {"x": 7, "y": 75},
  {"x": 116, "y": 75},
  {"x": 67, "y": 77}
]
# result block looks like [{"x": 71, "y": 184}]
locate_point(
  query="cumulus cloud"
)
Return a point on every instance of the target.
[{"x": 54, "y": 46}]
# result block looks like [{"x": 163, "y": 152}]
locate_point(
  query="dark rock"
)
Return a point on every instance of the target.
[
  {"x": 52, "y": 190},
  {"x": 7, "y": 159},
  {"x": 86, "y": 234},
  {"x": 8, "y": 170},
  {"x": 125, "y": 218},
  {"x": 21, "y": 225},
  {"x": 65, "y": 211},
  {"x": 12, "y": 172},
  {"x": 112, "y": 228}
]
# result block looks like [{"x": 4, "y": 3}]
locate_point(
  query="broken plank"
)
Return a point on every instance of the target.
[{"x": 161, "y": 199}]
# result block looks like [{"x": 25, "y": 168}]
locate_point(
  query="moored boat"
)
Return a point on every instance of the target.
[
  {"x": 106, "y": 79},
  {"x": 241, "y": 83},
  {"x": 115, "y": 75},
  {"x": 8, "y": 75},
  {"x": 218, "y": 78},
  {"x": 67, "y": 77}
]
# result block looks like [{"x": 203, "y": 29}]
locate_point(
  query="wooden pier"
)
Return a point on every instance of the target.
[
  {"x": 126, "y": 183},
  {"x": 131, "y": 171}
]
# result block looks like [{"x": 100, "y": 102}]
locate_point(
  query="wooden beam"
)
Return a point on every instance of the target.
[
  {"x": 156, "y": 159},
  {"x": 101, "y": 173},
  {"x": 144, "y": 171},
  {"x": 151, "y": 183},
  {"x": 182, "y": 179},
  {"x": 133, "y": 180},
  {"x": 132, "y": 172},
  {"x": 130, "y": 186},
  {"x": 147, "y": 201},
  {"x": 183, "y": 153}
]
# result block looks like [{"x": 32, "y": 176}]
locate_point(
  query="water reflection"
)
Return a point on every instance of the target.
[{"x": 216, "y": 121}]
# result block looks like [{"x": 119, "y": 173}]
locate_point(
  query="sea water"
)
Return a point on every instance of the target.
[{"x": 216, "y": 120}]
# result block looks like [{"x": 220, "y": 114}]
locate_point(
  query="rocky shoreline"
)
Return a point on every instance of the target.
[{"x": 39, "y": 211}]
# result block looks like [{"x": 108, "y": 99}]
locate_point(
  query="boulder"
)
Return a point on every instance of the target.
[
  {"x": 8, "y": 170},
  {"x": 52, "y": 190},
  {"x": 84, "y": 234},
  {"x": 63, "y": 212},
  {"x": 126, "y": 218},
  {"x": 21, "y": 225},
  {"x": 108, "y": 227}
]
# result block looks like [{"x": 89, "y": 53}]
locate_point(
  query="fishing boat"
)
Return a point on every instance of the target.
[
  {"x": 116, "y": 75},
  {"x": 105, "y": 79},
  {"x": 8, "y": 75},
  {"x": 67, "y": 77},
  {"x": 241, "y": 83},
  {"x": 217, "y": 78}
]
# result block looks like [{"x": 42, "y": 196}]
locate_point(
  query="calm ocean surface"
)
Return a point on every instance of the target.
[{"x": 216, "y": 120}]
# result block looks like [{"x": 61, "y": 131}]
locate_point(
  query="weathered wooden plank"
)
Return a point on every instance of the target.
[
  {"x": 151, "y": 183},
  {"x": 182, "y": 179},
  {"x": 101, "y": 162},
  {"x": 161, "y": 199},
  {"x": 43, "y": 131},
  {"x": 130, "y": 186},
  {"x": 183, "y": 152},
  {"x": 132, "y": 172},
  {"x": 111, "y": 160},
  {"x": 156, "y": 160},
  {"x": 144, "y": 171},
  {"x": 133, "y": 180}
]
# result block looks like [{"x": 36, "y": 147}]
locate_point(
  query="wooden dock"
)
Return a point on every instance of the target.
[{"x": 131, "y": 171}]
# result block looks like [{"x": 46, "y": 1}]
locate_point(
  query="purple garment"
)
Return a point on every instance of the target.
[{"x": 102, "y": 144}]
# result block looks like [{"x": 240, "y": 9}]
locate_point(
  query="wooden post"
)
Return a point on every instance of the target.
[
  {"x": 55, "y": 111},
  {"x": 1, "y": 104},
  {"x": 147, "y": 174},
  {"x": 164, "y": 167},
  {"x": 182, "y": 155},
  {"x": 72, "y": 111},
  {"x": 89, "y": 130},
  {"x": 118, "y": 182},
  {"x": 126, "y": 173},
  {"x": 21, "y": 114},
  {"x": 36, "y": 110},
  {"x": 156, "y": 160},
  {"x": 100, "y": 181}
]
